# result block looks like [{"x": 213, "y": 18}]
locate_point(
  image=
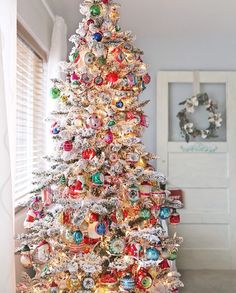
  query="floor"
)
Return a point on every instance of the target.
[{"x": 208, "y": 281}]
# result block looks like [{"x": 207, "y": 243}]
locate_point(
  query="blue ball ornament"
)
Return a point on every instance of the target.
[
  {"x": 127, "y": 283},
  {"x": 97, "y": 37},
  {"x": 152, "y": 253},
  {"x": 78, "y": 236},
  {"x": 164, "y": 213},
  {"x": 101, "y": 229},
  {"x": 119, "y": 104}
]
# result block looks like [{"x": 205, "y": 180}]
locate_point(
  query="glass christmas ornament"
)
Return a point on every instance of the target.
[
  {"x": 172, "y": 255},
  {"x": 133, "y": 194},
  {"x": 64, "y": 99},
  {"x": 80, "y": 186},
  {"x": 108, "y": 138},
  {"x": 41, "y": 254},
  {"x": 55, "y": 92},
  {"x": 93, "y": 217},
  {"x": 164, "y": 264},
  {"x": 164, "y": 213},
  {"x": 101, "y": 60},
  {"x": 119, "y": 56},
  {"x": 119, "y": 104},
  {"x": 144, "y": 279},
  {"x": 145, "y": 189},
  {"x": 74, "y": 57},
  {"x": 98, "y": 80},
  {"x": 90, "y": 21},
  {"x": 97, "y": 36},
  {"x": 53, "y": 288},
  {"x": 134, "y": 249},
  {"x": 145, "y": 214},
  {"x": 30, "y": 218},
  {"x": 68, "y": 146},
  {"x": 111, "y": 123},
  {"x": 92, "y": 231},
  {"x": 25, "y": 258},
  {"x": 37, "y": 205},
  {"x": 174, "y": 217},
  {"x": 86, "y": 78},
  {"x": 117, "y": 245},
  {"x": 88, "y": 283},
  {"x": 98, "y": 178},
  {"x": 88, "y": 154},
  {"x": 112, "y": 77},
  {"x": 101, "y": 229},
  {"x": 95, "y": 122},
  {"x": 164, "y": 253},
  {"x": 89, "y": 58},
  {"x": 114, "y": 157},
  {"x": 132, "y": 79},
  {"x": 95, "y": 10},
  {"x": 132, "y": 157},
  {"x": 73, "y": 282},
  {"x": 117, "y": 28},
  {"x": 63, "y": 179},
  {"x": 127, "y": 283},
  {"x": 146, "y": 78},
  {"x": 55, "y": 129},
  {"x": 159, "y": 196},
  {"x": 152, "y": 253},
  {"x": 78, "y": 236}
]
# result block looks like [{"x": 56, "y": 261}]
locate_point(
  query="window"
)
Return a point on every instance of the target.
[{"x": 30, "y": 114}]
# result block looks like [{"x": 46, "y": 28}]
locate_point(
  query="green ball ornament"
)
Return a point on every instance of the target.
[
  {"x": 145, "y": 214},
  {"x": 95, "y": 10},
  {"x": 172, "y": 255},
  {"x": 117, "y": 28},
  {"x": 111, "y": 123},
  {"x": 55, "y": 92},
  {"x": 97, "y": 178}
]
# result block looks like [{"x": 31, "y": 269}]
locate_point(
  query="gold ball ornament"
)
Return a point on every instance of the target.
[{"x": 64, "y": 99}]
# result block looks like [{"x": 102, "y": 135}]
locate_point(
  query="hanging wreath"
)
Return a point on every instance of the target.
[{"x": 188, "y": 129}]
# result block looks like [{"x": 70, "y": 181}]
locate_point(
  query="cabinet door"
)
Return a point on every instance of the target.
[{"x": 204, "y": 169}]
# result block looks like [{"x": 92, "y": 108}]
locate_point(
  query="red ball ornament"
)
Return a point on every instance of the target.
[
  {"x": 130, "y": 115},
  {"x": 108, "y": 279},
  {"x": 67, "y": 146},
  {"x": 105, "y": 1},
  {"x": 90, "y": 21},
  {"x": 174, "y": 217},
  {"x": 94, "y": 217},
  {"x": 147, "y": 78},
  {"x": 88, "y": 154},
  {"x": 112, "y": 77}
]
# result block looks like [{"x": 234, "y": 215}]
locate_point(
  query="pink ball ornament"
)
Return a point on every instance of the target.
[
  {"x": 67, "y": 146},
  {"x": 108, "y": 138},
  {"x": 74, "y": 76},
  {"x": 147, "y": 78},
  {"x": 95, "y": 122}
]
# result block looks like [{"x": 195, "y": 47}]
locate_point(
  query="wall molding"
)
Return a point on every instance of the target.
[{"x": 49, "y": 10}]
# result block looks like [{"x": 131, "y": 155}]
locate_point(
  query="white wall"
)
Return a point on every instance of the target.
[{"x": 35, "y": 16}]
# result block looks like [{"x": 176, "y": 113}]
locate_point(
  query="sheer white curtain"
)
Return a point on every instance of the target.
[
  {"x": 57, "y": 54},
  {"x": 7, "y": 110}
]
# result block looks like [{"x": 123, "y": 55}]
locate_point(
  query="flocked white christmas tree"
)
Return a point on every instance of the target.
[{"x": 97, "y": 219}]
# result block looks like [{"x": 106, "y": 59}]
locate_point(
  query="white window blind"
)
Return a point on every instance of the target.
[{"x": 30, "y": 114}]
